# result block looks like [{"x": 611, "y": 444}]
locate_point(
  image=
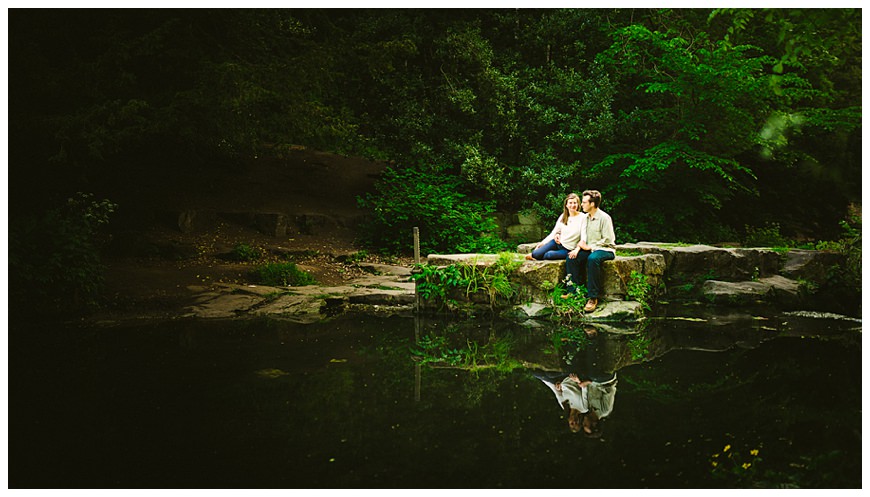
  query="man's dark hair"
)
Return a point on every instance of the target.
[{"x": 594, "y": 197}]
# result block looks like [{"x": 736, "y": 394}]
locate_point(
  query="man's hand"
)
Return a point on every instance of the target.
[{"x": 573, "y": 254}]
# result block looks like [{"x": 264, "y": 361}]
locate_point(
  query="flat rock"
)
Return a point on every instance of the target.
[
  {"x": 297, "y": 308},
  {"x": 616, "y": 310},
  {"x": 774, "y": 289},
  {"x": 225, "y": 305}
]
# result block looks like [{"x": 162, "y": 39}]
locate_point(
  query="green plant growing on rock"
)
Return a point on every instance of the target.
[
  {"x": 282, "y": 274},
  {"x": 492, "y": 279},
  {"x": 567, "y": 309},
  {"x": 807, "y": 287},
  {"x": 849, "y": 245},
  {"x": 433, "y": 282},
  {"x": 638, "y": 288}
]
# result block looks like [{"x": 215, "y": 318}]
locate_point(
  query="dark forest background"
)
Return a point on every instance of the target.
[{"x": 697, "y": 125}]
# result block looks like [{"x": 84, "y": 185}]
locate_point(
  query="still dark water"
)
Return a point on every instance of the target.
[{"x": 271, "y": 404}]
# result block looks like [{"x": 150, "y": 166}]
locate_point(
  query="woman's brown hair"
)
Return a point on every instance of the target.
[{"x": 565, "y": 213}]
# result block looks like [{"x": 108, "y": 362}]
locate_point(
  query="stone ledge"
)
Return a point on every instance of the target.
[
  {"x": 685, "y": 262},
  {"x": 537, "y": 278}
]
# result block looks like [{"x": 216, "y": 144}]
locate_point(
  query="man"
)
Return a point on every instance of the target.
[{"x": 597, "y": 246}]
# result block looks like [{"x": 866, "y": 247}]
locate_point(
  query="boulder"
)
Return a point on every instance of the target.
[
  {"x": 189, "y": 220},
  {"x": 225, "y": 305},
  {"x": 735, "y": 293},
  {"x": 312, "y": 224},
  {"x": 811, "y": 265},
  {"x": 785, "y": 291},
  {"x": 687, "y": 263},
  {"x": 537, "y": 279},
  {"x": 271, "y": 223},
  {"x": 616, "y": 274},
  {"x": 529, "y": 310},
  {"x": 526, "y": 248},
  {"x": 523, "y": 231},
  {"x": 296, "y": 308}
]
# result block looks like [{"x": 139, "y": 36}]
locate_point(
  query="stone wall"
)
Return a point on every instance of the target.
[{"x": 520, "y": 226}]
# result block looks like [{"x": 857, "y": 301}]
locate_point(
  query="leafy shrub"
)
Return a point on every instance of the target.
[
  {"x": 54, "y": 258},
  {"x": 246, "y": 253},
  {"x": 849, "y": 245},
  {"x": 283, "y": 274},
  {"x": 448, "y": 219},
  {"x": 766, "y": 236},
  {"x": 494, "y": 280}
]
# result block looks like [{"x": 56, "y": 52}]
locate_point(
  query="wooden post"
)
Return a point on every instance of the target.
[
  {"x": 416, "y": 268},
  {"x": 416, "y": 245}
]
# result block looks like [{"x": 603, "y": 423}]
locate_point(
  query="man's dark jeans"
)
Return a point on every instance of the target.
[{"x": 593, "y": 262}]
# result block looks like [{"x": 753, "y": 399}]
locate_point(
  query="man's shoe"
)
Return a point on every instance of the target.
[{"x": 591, "y": 304}]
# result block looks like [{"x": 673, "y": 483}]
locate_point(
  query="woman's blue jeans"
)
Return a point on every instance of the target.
[
  {"x": 550, "y": 251},
  {"x": 593, "y": 262}
]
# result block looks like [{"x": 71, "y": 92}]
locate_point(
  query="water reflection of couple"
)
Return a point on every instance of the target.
[
  {"x": 588, "y": 393},
  {"x": 587, "y": 401}
]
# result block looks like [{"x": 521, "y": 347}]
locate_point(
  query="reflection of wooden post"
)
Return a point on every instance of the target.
[
  {"x": 418, "y": 373},
  {"x": 417, "y": 262}
]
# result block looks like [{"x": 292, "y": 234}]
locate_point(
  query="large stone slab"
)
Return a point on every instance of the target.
[
  {"x": 688, "y": 263},
  {"x": 536, "y": 280},
  {"x": 617, "y": 274},
  {"x": 811, "y": 265},
  {"x": 296, "y": 308},
  {"x": 774, "y": 289}
]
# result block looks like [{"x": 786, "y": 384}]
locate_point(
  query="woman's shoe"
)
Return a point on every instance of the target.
[{"x": 529, "y": 257}]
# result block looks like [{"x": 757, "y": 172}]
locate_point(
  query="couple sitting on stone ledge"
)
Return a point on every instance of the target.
[{"x": 580, "y": 237}]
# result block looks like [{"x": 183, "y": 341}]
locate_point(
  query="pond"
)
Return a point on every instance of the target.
[{"x": 367, "y": 402}]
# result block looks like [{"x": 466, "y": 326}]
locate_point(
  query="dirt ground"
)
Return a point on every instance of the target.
[{"x": 155, "y": 266}]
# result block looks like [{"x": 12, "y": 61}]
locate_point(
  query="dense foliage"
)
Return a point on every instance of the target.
[
  {"x": 54, "y": 255},
  {"x": 696, "y": 124}
]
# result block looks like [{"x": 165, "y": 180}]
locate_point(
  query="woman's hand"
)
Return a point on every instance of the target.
[{"x": 573, "y": 254}]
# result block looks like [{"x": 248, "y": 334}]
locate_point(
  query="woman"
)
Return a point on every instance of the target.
[{"x": 565, "y": 235}]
